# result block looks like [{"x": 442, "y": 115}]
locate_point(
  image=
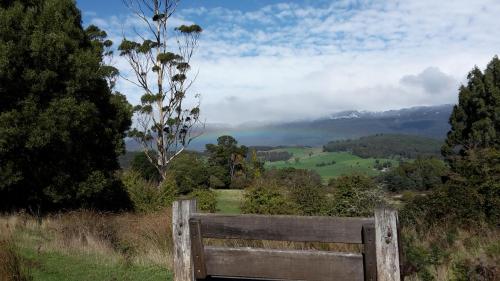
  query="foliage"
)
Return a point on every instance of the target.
[
  {"x": 190, "y": 172},
  {"x": 188, "y": 169},
  {"x": 479, "y": 173},
  {"x": 453, "y": 203},
  {"x": 422, "y": 174},
  {"x": 165, "y": 120},
  {"x": 147, "y": 196},
  {"x": 472, "y": 147},
  {"x": 382, "y": 165},
  {"x": 226, "y": 160},
  {"x": 474, "y": 120},
  {"x": 206, "y": 199},
  {"x": 141, "y": 164},
  {"x": 266, "y": 198},
  {"x": 303, "y": 188},
  {"x": 387, "y": 146},
  {"x": 353, "y": 195},
  {"x": 61, "y": 126}
]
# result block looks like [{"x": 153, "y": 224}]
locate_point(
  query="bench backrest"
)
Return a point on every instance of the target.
[{"x": 280, "y": 264}]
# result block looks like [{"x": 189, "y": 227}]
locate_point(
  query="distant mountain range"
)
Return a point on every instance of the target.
[{"x": 428, "y": 121}]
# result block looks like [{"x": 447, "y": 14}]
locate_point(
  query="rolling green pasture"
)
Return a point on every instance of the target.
[{"x": 346, "y": 163}]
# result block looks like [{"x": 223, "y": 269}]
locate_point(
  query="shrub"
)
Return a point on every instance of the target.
[
  {"x": 267, "y": 198},
  {"x": 206, "y": 199},
  {"x": 353, "y": 195},
  {"x": 190, "y": 172},
  {"x": 454, "y": 203},
  {"x": 147, "y": 196},
  {"x": 421, "y": 174},
  {"x": 301, "y": 187}
]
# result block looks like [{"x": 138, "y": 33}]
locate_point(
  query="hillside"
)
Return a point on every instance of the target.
[
  {"x": 387, "y": 146},
  {"x": 327, "y": 164},
  {"x": 429, "y": 121}
]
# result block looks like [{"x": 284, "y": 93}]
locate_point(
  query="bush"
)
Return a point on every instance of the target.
[
  {"x": 421, "y": 174},
  {"x": 147, "y": 196},
  {"x": 456, "y": 204},
  {"x": 353, "y": 196},
  {"x": 190, "y": 172},
  {"x": 267, "y": 198},
  {"x": 206, "y": 200},
  {"x": 301, "y": 187}
]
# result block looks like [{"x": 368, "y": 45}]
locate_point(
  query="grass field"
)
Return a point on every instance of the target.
[
  {"x": 345, "y": 163},
  {"x": 88, "y": 246},
  {"x": 229, "y": 200},
  {"x": 57, "y": 266}
]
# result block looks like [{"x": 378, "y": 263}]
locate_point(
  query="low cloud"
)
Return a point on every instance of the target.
[
  {"x": 293, "y": 61},
  {"x": 432, "y": 81}
]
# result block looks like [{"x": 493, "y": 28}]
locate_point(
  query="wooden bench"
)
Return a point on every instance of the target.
[{"x": 379, "y": 260}]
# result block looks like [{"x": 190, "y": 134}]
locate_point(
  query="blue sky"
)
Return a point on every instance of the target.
[{"x": 273, "y": 60}]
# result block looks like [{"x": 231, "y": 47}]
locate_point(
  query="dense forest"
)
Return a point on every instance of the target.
[{"x": 387, "y": 146}]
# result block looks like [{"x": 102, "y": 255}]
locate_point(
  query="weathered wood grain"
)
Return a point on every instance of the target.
[
  {"x": 283, "y": 228},
  {"x": 283, "y": 264},
  {"x": 197, "y": 251},
  {"x": 183, "y": 265},
  {"x": 369, "y": 254},
  {"x": 386, "y": 244}
]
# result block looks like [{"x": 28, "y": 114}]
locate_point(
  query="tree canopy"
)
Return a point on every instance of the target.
[
  {"x": 226, "y": 160},
  {"x": 61, "y": 125},
  {"x": 475, "y": 120}
]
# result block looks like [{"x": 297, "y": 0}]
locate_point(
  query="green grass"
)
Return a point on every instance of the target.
[
  {"x": 43, "y": 260},
  {"x": 346, "y": 163},
  {"x": 229, "y": 200},
  {"x": 56, "y": 266}
]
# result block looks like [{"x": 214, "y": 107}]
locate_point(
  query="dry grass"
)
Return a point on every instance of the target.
[
  {"x": 472, "y": 254},
  {"x": 10, "y": 262},
  {"x": 130, "y": 238},
  {"x": 146, "y": 239}
]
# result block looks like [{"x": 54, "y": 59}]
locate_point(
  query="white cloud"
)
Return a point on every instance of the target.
[{"x": 293, "y": 61}]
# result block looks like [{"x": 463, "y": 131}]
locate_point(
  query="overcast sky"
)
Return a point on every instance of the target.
[{"x": 280, "y": 60}]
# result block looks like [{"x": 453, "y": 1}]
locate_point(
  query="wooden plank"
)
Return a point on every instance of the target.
[
  {"x": 401, "y": 253},
  {"x": 183, "y": 264},
  {"x": 386, "y": 245},
  {"x": 283, "y": 264},
  {"x": 284, "y": 228},
  {"x": 369, "y": 254},
  {"x": 197, "y": 251}
]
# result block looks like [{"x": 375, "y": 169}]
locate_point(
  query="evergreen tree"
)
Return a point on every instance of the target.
[
  {"x": 473, "y": 145},
  {"x": 61, "y": 126},
  {"x": 475, "y": 120}
]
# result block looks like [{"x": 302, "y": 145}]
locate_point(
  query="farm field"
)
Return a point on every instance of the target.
[{"x": 345, "y": 163}]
